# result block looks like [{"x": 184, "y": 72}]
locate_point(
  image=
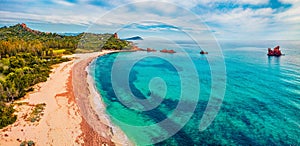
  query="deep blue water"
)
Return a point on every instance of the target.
[{"x": 261, "y": 105}]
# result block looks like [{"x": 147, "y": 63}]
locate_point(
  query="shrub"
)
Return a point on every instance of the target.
[
  {"x": 36, "y": 113},
  {"x": 27, "y": 143},
  {"x": 7, "y": 116},
  {"x": 23, "y": 143},
  {"x": 30, "y": 143}
]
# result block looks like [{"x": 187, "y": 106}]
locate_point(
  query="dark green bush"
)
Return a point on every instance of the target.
[
  {"x": 7, "y": 116},
  {"x": 30, "y": 143}
]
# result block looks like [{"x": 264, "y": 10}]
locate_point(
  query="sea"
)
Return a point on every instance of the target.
[{"x": 234, "y": 95}]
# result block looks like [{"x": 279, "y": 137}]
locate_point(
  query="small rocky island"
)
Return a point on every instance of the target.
[
  {"x": 275, "y": 52},
  {"x": 150, "y": 50},
  {"x": 167, "y": 51},
  {"x": 203, "y": 52}
]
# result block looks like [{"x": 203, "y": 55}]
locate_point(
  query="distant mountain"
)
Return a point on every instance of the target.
[{"x": 133, "y": 38}]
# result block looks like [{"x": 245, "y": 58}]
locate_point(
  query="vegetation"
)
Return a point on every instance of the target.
[
  {"x": 6, "y": 115},
  {"x": 26, "y": 57},
  {"x": 27, "y": 143},
  {"x": 90, "y": 42},
  {"x": 116, "y": 44},
  {"x": 21, "y": 72},
  {"x": 36, "y": 113},
  {"x": 21, "y": 39}
]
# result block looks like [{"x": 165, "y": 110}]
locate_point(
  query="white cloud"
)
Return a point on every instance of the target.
[
  {"x": 73, "y": 14},
  {"x": 252, "y": 2},
  {"x": 291, "y": 15},
  {"x": 294, "y": 2},
  {"x": 63, "y": 2},
  {"x": 42, "y": 18},
  {"x": 289, "y": 20},
  {"x": 238, "y": 23}
]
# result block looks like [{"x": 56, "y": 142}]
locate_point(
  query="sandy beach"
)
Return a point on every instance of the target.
[{"x": 74, "y": 114}]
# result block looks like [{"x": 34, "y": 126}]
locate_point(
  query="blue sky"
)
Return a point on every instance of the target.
[{"x": 225, "y": 19}]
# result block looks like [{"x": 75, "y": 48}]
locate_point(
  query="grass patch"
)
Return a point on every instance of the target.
[
  {"x": 84, "y": 51},
  {"x": 2, "y": 76},
  {"x": 59, "y": 51},
  {"x": 27, "y": 143},
  {"x": 20, "y": 103},
  {"x": 36, "y": 113}
]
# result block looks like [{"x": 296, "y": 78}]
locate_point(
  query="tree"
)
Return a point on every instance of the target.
[{"x": 15, "y": 62}]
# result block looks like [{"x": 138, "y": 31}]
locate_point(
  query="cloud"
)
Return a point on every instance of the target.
[
  {"x": 63, "y": 2},
  {"x": 72, "y": 14},
  {"x": 141, "y": 12},
  {"x": 235, "y": 19},
  {"x": 15, "y": 16},
  {"x": 239, "y": 23},
  {"x": 153, "y": 26},
  {"x": 294, "y": 2},
  {"x": 253, "y": 2}
]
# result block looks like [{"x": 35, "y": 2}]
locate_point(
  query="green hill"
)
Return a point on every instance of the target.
[
  {"x": 26, "y": 57},
  {"x": 90, "y": 42}
]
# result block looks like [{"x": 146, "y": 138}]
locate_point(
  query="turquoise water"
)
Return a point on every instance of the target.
[{"x": 261, "y": 105}]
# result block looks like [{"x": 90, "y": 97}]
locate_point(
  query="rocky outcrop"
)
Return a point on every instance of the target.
[
  {"x": 24, "y": 26},
  {"x": 116, "y": 36},
  {"x": 167, "y": 51},
  {"x": 136, "y": 48},
  {"x": 151, "y": 50},
  {"x": 203, "y": 52},
  {"x": 275, "y": 52}
]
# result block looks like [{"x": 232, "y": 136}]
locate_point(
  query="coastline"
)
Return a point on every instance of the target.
[
  {"x": 92, "y": 107},
  {"x": 71, "y": 116},
  {"x": 118, "y": 136}
]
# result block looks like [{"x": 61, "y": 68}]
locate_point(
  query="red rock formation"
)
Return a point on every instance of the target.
[
  {"x": 151, "y": 50},
  {"x": 137, "y": 48},
  {"x": 167, "y": 51},
  {"x": 275, "y": 52},
  {"x": 116, "y": 36},
  {"x": 24, "y": 25}
]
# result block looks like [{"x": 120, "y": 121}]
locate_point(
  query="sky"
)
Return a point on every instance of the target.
[{"x": 222, "y": 19}]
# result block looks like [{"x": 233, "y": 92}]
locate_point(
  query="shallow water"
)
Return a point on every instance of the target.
[{"x": 261, "y": 104}]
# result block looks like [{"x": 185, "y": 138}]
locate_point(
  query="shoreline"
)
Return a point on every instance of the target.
[
  {"x": 97, "y": 103},
  {"x": 70, "y": 116},
  {"x": 92, "y": 107}
]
